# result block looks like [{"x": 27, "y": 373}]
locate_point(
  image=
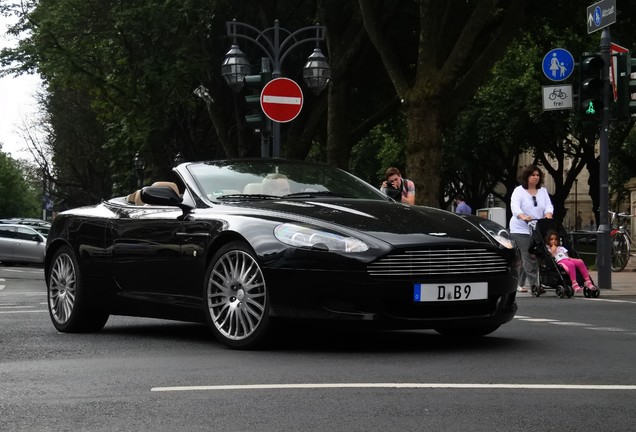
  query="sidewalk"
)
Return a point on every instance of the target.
[{"x": 623, "y": 283}]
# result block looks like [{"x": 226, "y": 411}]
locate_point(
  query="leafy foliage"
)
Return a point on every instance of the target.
[
  {"x": 18, "y": 196},
  {"x": 414, "y": 86}
]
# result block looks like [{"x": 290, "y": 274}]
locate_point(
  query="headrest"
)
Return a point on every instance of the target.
[
  {"x": 171, "y": 185},
  {"x": 253, "y": 189},
  {"x": 135, "y": 198}
]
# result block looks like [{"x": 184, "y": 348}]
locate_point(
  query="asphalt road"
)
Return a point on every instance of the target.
[{"x": 561, "y": 365}]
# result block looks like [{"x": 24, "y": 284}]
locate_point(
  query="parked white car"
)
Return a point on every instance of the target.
[{"x": 22, "y": 244}]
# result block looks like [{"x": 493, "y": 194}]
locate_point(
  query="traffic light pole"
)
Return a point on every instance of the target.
[{"x": 603, "y": 244}]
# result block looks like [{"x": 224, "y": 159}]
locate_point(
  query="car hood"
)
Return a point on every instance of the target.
[{"x": 397, "y": 224}]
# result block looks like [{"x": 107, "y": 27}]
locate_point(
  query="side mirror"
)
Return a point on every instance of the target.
[
  {"x": 164, "y": 196},
  {"x": 160, "y": 195}
]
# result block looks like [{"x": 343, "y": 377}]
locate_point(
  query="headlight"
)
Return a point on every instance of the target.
[
  {"x": 497, "y": 232},
  {"x": 299, "y": 236}
]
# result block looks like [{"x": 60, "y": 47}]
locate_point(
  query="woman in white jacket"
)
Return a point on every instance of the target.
[{"x": 529, "y": 202}]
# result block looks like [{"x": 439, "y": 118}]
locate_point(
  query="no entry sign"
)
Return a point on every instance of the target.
[{"x": 281, "y": 100}]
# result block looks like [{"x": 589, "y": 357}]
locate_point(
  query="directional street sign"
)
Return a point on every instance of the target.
[
  {"x": 557, "y": 97},
  {"x": 600, "y": 15},
  {"x": 615, "y": 49},
  {"x": 558, "y": 64},
  {"x": 281, "y": 100}
]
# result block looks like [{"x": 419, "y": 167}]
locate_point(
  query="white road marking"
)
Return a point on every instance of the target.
[
  {"x": 1, "y": 284},
  {"x": 23, "y": 311},
  {"x": 30, "y": 293},
  {"x": 607, "y": 300},
  {"x": 395, "y": 385},
  {"x": 572, "y": 324},
  {"x": 608, "y": 329}
]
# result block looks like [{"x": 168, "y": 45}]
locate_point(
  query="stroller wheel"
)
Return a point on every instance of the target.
[
  {"x": 569, "y": 291},
  {"x": 536, "y": 291},
  {"x": 560, "y": 291},
  {"x": 587, "y": 293},
  {"x": 596, "y": 293}
]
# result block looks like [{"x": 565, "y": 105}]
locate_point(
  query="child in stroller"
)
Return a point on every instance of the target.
[
  {"x": 559, "y": 276},
  {"x": 571, "y": 265}
]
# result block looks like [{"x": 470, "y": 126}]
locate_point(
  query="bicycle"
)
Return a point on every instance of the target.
[{"x": 621, "y": 240}]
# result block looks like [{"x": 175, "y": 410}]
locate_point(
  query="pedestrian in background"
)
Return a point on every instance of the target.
[
  {"x": 398, "y": 188},
  {"x": 461, "y": 206},
  {"x": 529, "y": 201}
]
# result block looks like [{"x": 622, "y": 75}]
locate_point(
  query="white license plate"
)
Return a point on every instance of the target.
[{"x": 450, "y": 292}]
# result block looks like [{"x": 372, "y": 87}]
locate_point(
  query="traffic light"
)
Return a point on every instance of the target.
[
  {"x": 625, "y": 86},
  {"x": 591, "y": 87},
  {"x": 255, "y": 118}
]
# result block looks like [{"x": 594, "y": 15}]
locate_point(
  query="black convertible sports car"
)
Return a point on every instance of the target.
[{"x": 240, "y": 243}]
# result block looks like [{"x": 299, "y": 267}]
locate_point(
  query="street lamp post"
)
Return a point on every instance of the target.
[
  {"x": 235, "y": 67},
  {"x": 140, "y": 166}
]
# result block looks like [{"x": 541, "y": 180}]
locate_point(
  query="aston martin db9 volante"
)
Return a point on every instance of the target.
[{"x": 238, "y": 244}]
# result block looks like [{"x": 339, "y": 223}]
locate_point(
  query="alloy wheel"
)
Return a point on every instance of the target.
[
  {"x": 62, "y": 288},
  {"x": 236, "y": 295}
]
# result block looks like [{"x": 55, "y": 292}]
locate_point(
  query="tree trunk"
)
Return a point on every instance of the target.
[{"x": 424, "y": 152}]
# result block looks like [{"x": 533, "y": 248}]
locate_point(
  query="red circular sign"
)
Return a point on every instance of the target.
[{"x": 281, "y": 100}]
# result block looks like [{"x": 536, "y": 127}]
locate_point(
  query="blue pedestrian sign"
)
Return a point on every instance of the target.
[{"x": 558, "y": 64}]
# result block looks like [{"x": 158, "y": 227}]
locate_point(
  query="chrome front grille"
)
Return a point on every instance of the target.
[{"x": 438, "y": 262}]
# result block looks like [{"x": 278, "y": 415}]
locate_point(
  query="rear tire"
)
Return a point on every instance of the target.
[
  {"x": 620, "y": 252},
  {"x": 71, "y": 303}
]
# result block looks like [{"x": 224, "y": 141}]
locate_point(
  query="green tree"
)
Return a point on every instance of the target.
[
  {"x": 436, "y": 65},
  {"x": 506, "y": 118},
  {"x": 18, "y": 197}
]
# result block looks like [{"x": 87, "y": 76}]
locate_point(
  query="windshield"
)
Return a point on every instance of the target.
[{"x": 278, "y": 178}]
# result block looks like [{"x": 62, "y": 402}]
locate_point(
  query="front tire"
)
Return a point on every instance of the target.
[
  {"x": 237, "y": 301},
  {"x": 71, "y": 304}
]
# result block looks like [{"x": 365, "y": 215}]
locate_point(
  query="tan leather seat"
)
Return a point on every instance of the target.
[{"x": 135, "y": 198}]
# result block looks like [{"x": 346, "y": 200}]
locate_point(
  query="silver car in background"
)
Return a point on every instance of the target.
[{"x": 22, "y": 244}]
